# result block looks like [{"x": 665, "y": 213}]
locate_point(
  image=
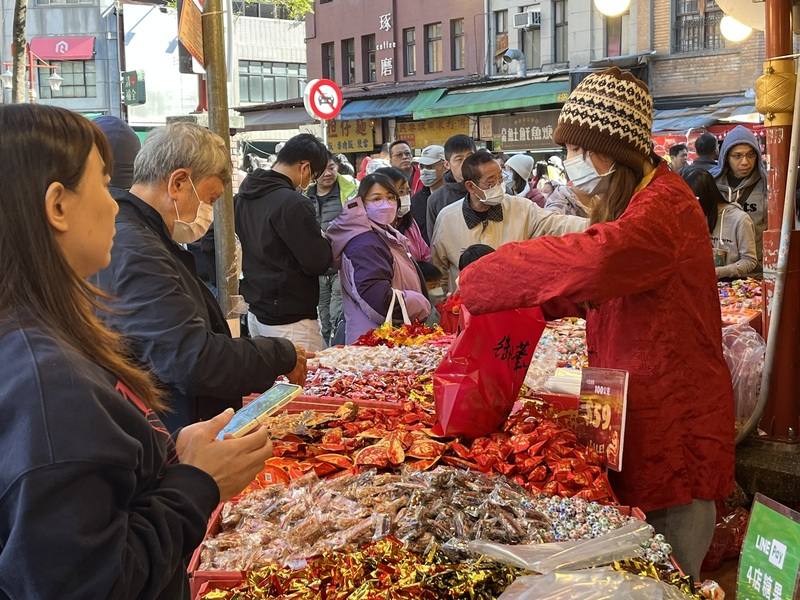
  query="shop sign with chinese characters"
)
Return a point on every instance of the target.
[
  {"x": 386, "y": 63},
  {"x": 522, "y": 131},
  {"x": 770, "y": 560},
  {"x": 432, "y": 131},
  {"x": 352, "y": 136}
]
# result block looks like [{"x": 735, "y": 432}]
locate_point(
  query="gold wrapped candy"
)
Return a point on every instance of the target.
[
  {"x": 385, "y": 569},
  {"x": 645, "y": 568}
]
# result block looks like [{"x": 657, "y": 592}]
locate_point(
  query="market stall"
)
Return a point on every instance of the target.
[{"x": 363, "y": 499}]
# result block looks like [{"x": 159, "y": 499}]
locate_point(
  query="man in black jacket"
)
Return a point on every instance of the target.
[
  {"x": 174, "y": 325},
  {"x": 456, "y": 150},
  {"x": 283, "y": 249}
]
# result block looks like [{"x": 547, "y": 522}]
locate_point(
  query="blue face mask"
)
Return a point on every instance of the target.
[{"x": 584, "y": 176}]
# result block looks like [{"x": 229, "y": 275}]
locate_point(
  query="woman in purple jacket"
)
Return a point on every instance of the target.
[{"x": 374, "y": 260}]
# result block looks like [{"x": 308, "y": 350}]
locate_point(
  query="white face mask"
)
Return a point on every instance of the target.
[
  {"x": 493, "y": 196},
  {"x": 428, "y": 177},
  {"x": 405, "y": 206},
  {"x": 186, "y": 233},
  {"x": 584, "y": 176}
]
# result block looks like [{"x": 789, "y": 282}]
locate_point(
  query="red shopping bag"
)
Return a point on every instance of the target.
[
  {"x": 479, "y": 379},
  {"x": 450, "y": 313}
]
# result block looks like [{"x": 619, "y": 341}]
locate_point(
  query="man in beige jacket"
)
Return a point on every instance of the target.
[{"x": 487, "y": 215}]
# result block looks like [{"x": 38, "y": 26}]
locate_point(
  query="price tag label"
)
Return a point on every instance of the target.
[
  {"x": 768, "y": 566},
  {"x": 601, "y": 418}
]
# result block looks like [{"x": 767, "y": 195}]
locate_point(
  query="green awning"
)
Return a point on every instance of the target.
[
  {"x": 401, "y": 105},
  {"x": 495, "y": 99}
]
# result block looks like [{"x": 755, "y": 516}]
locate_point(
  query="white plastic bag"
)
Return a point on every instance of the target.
[
  {"x": 744, "y": 352},
  {"x": 594, "y": 584}
]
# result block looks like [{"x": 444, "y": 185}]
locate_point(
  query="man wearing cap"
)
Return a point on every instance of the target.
[
  {"x": 644, "y": 278},
  {"x": 431, "y": 174}
]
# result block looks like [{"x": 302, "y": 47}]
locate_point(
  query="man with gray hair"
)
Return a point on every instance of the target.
[{"x": 174, "y": 325}]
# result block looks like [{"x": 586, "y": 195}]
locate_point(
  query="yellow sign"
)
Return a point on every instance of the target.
[
  {"x": 190, "y": 30},
  {"x": 352, "y": 136},
  {"x": 433, "y": 131}
]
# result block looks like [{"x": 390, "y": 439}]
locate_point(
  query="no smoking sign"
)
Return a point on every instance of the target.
[{"x": 323, "y": 99}]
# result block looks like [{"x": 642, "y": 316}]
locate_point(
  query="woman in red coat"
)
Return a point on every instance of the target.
[{"x": 643, "y": 275}]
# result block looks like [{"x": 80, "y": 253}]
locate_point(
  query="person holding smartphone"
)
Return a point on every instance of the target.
[{"x": 96, "y": 501}]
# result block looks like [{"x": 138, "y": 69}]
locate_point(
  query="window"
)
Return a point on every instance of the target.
[
  {"x": 348, "y": 61},
  {"x": 532, "y": 47},
  {"x": 696, "y": 26},
  {"x": 433, "y": 48},
  {"x": 263, "y": 10},
  {"x": 500, "y": 32},
  {"x": 409, "y": 51},
  {"x": 614, "y": 36},
  {"x": 262, "y": 81},
  {"x": 368, "y": 58},
  {"x": 457, "y": 46},
  {"x": 79, "y": 79},
  {"x": 561, "y": 48},
  {"x": 328, "y": 61}
]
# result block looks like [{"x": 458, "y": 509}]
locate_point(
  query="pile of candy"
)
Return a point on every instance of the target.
[
  {"x": 668, "y": 574},
  {"x": 415, "y": 334},
  {"x": 391, "y": 386},
  {"x": 445, "y": 507},
  {"x": 740, "y": 294},
  {"x": 381, "y": 569},
  {"x": 544, "y": 457},
  {"x": 568, "y": 337},
  {"x": 420, "y": 359}
]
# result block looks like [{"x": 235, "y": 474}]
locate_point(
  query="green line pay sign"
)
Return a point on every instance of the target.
[{"x": 768, "y": 567}]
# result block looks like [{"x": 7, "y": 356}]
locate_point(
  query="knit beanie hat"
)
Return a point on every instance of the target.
[
  {"x": 610, "y": 113},
  {"x": 125, "y": 145}
]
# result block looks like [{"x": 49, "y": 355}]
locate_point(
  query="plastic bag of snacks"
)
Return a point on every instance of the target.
[{"x": 744, "y": 352}]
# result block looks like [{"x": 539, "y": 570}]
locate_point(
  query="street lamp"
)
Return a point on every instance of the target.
[
  {"x": 733, "y": 30},
  {"x": 54, "y": 81},
  {"x": 612, "y": 8}
]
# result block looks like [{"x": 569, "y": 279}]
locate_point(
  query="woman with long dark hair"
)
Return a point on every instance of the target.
[
  {"x": 644, "y": 279},
  {"x": 95, "y": 499},
  {"x": 733, "y": 234},
  {"x": 375, "y": 267}
]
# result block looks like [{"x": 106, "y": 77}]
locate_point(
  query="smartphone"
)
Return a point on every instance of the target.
[{"x": 251, "y": 416}]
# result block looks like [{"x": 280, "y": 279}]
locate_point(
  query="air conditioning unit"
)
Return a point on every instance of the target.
[{"x": 528, "y": 20}]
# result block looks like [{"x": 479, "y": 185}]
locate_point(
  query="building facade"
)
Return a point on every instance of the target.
[
  {"x": 558, "y": 34},
  {"x": 76, "y": 39},
  {"x": 364, "y": 43}
]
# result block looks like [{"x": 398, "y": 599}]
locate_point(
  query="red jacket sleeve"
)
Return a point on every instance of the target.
[{"x": 609, "y": 260}]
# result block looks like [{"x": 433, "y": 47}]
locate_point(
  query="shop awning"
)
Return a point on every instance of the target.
[
  {"x": 402, "y": 105},
  {"x": 63, "y": 47},
  {"x": 497, "y": 98},
  {"x": 737, "y": 109},
  {"x": 279, "y": 118}
]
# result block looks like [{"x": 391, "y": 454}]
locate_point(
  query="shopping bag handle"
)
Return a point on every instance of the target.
[{"x": 398, "y": 295}]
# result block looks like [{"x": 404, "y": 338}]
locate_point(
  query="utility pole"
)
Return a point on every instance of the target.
[
  {"x": 123, "y": 107},
  {"x": 19, "y": 49},
  {"x": 217, "y": 86}
]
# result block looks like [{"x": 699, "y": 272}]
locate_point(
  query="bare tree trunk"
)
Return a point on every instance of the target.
[{"x": 18, "y": 45}]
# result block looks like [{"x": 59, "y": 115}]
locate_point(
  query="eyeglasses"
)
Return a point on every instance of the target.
[{"x": 739, "y": 156}]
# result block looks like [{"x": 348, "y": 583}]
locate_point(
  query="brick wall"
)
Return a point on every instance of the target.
[{"x": 728, "y": 71}]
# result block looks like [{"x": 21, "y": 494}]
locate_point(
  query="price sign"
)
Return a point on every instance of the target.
[
  {"x": 768, "y": 567},
  {"x": 600, "y": 422}
]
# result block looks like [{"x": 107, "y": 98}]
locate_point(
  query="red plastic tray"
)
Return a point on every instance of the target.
[
  {"x": 214, "y": 584},
  {"x": 196, "y": 577}
]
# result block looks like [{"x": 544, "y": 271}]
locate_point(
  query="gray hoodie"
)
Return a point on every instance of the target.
[
  {"x": 734, "y": 242},
  {"x": 564, "y": 202},
  {"x": 751, "y": 193}
]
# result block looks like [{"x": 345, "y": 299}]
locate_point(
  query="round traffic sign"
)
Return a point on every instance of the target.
[{"x": 323, "y": 99}]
